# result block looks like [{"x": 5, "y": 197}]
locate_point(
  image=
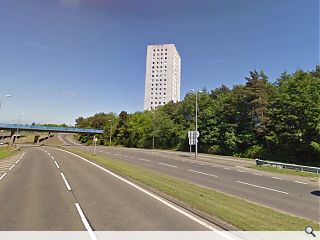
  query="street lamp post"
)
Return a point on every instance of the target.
[
  {"x": 1, "y": 99},
  {"x": 154, "y": 123},
  {"x": 196, "y": 140},
  {"x": 21, "y": 114},
  {"x": 110, "y": 132}
]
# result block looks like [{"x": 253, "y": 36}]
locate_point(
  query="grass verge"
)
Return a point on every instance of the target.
[
  {"x": 286, "y": 171},
  {"x": 242, "y": 214},
  {"x": 5, "y": 152}
]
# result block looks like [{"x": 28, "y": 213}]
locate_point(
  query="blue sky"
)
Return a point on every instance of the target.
[{"x": 61, "y": 59}]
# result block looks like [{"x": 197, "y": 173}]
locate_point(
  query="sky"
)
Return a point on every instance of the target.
[{"x": 61, "y": 59}]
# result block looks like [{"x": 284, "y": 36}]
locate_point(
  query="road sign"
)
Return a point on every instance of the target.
[
  {"x": 193, "y": 137},
  {"x": 193, "y": 133}
]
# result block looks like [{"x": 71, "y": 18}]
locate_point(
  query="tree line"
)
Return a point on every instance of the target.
[{"x": 278, "y": 121}]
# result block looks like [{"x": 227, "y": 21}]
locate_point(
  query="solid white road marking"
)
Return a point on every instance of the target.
[
  {"x": 85, "y": 222},
  {"x": 274, "y": 190},
  {"x": 56, "y": 164},
  {"x": 168, "y": 165},
  {"x": 202, "y": 173},
  {"x": 2, "y": 176},
  {"x": 183, "y": 212},
  {"x": 300, "y": 182},
  {"x": 66, "y": 182}
]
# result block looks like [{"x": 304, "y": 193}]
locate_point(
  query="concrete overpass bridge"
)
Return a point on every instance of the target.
[{"x": 15, "y": 128}]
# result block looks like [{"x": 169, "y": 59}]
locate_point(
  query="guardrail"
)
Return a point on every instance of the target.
[{"x": 288, "y": 166}]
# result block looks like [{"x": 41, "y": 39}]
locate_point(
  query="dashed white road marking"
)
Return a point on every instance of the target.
[
  {"x": 257, "y": 174},
  {"x": 168, "y": 165},
  {"x": 226, "y": 168},
  {"x": 143, "y": 159},
  {"x": 65, "y": 181},
  {"x": 257, "y": 186},
  {"x": 85, "y": 222},
  {"x": 211, "y": 175},
  {"x": 240, "y": 171},
  {"x": 6, "y": 165},
  {"x": 57, "y": 164},
  {"x": 2, "y": 176},
  {"x": 52, "y": 157},
  {"x": 11, "y": 167},
  {"x": 183, "y": 212},
  {"x": 300, "y": 182},
  {"x": 277, "y": 178}
]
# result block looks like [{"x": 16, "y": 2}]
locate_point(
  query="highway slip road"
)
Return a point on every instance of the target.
[
  {"x": 49, "y": 189},
  {"x": 292, "y": 194}
]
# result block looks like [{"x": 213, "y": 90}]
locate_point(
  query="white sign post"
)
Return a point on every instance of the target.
[
  {"x": 193, "y": 138},
  {"x": 95, "y": 144}
]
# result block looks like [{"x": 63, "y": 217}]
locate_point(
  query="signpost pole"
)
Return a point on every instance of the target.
[
  {"x": 190, "y": 145},
  {"x": 95, "y": 144}
]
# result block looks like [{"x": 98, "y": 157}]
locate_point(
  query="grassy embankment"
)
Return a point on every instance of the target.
[
  {"x": 242, "y": 214},
  {"x": 5, "y": 152}
]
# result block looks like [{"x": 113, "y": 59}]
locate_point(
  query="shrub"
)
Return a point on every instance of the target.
[{"x": 215, "y": 149}]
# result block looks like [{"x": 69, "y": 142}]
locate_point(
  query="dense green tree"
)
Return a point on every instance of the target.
[
  {"x": 295, "y": 112},
  {"x": 279, "y": 121}
]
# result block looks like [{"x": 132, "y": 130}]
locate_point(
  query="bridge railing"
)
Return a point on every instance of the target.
[
  {"x": 49, "y": 128},
  {"x": 288, "y": 166}
]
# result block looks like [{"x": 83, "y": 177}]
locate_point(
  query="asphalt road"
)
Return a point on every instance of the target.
[
  {"x": 292, "y": 194},
  {"x": 48, "y": 189}
]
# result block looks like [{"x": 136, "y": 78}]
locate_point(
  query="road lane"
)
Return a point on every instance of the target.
[
  {"x": 299, "y": 200},
  {"x": 111, "y": 204},
  {"x": 33, "y": 197}
]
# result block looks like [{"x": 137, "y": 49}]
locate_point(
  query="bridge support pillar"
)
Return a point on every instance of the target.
[
  {"x": 12, "y": 137},
  {"x": 36, "y": 139}
]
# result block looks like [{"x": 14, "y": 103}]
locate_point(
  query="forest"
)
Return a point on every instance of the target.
[{"x": 277, "y": 121}]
